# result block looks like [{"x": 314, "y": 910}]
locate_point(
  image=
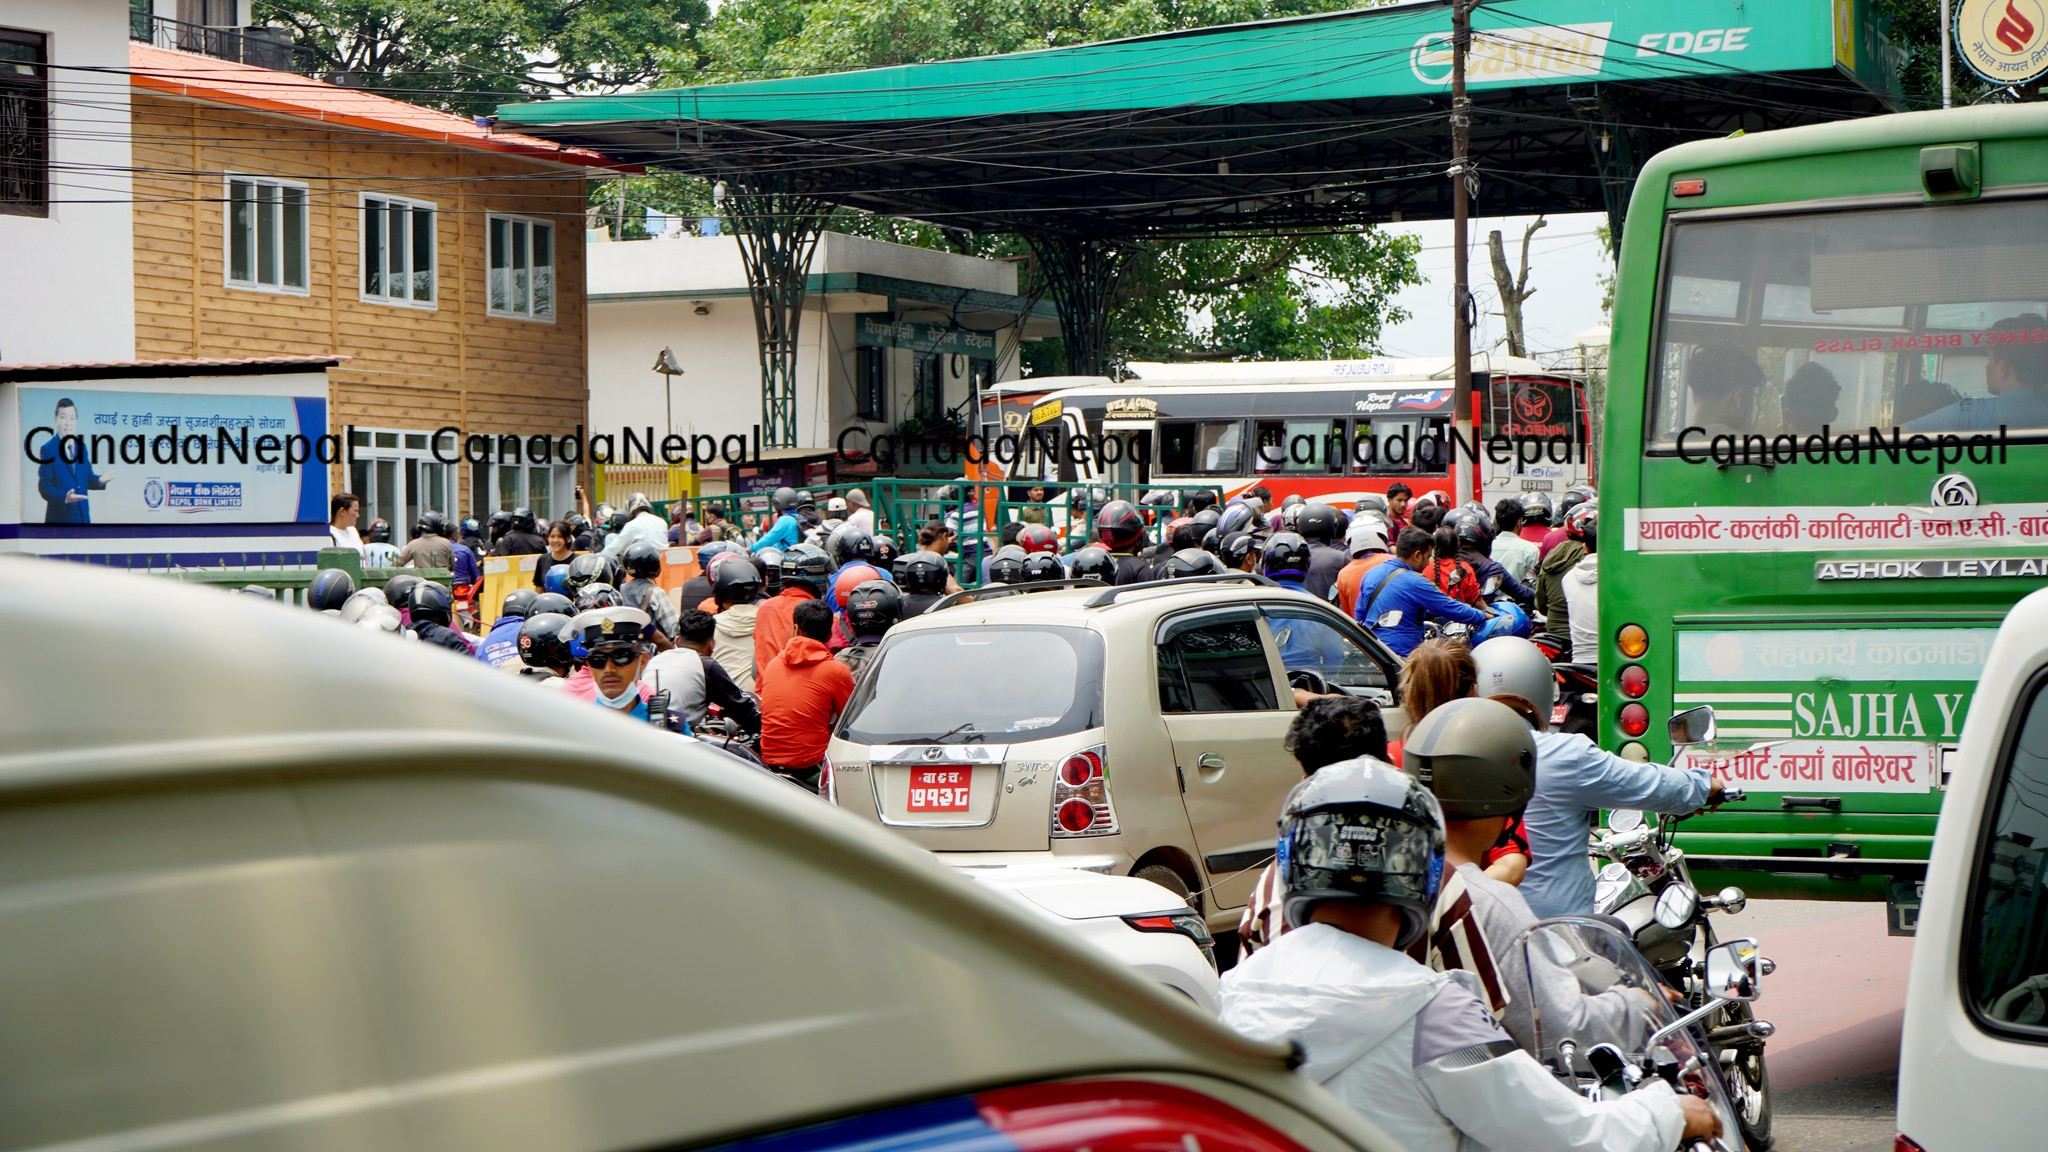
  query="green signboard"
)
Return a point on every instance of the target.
[{"x": 880, "y": 330}]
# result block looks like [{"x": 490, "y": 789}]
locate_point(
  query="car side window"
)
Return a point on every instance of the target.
[
  {"x": 1214, "y": 664},
  {"x": 1310, "y": 639},
  {"x": 2005, "y": 947}
]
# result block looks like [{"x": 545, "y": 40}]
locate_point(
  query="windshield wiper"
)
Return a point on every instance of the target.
[{"x": 942, "y": 737}]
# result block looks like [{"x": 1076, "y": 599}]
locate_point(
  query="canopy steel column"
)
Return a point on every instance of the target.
[
  {"x": 778, "y": 234},
  {"x": 1083, "y": 273}
]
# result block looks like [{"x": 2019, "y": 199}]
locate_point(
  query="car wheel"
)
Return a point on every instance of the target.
[{"x": 1168, "y": 879}]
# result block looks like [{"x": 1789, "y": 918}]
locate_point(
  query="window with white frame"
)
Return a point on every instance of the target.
[
  {"x": 398, "y": 251},
  {"x": 396, "y": 474},
  {"x": 522, "y": 268},
  {"x": 266, "y": 234},
  {"x": 545, "y": 488}
]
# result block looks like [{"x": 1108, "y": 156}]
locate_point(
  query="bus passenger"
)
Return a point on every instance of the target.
[
  {"x": 2017, "y": 378},
  {"x": 1394, "y": 599},
  {"x": 1812, "y": 399},
  {"x": 1724, "y": 381}
]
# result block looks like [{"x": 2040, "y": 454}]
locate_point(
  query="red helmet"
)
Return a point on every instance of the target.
[
  {"x": 1582, "y": 520},
  {"x": 1436, "y": 496},
  {"x": 1037, "y": 538},
  {"x": 1119, "y": 525},
  {"x": 850, "y": 577}
]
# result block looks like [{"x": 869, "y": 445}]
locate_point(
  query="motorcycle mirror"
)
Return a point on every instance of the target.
[
  {"x": 1692, "y": 726},
  {"x": 1624, "y": 820},
  {"x": 1676, "y": 906},
  {"x": 1732, "y": 970}
]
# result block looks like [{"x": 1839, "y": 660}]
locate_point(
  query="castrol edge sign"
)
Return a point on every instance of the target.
[
  {"x": 2004, "y": 41},
  {"x": 1516, "y": 55}
]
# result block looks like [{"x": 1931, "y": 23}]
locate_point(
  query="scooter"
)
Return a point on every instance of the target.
[{"x": 1646, "y": 884}]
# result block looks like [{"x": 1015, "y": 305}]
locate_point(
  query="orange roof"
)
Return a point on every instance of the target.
[{"x": 289, "y": 94}]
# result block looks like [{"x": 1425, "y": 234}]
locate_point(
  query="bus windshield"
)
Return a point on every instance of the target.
[{"x": 1930, "y": 318}]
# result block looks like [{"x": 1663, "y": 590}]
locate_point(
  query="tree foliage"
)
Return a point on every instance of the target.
[{"x": 469, "y": 56}]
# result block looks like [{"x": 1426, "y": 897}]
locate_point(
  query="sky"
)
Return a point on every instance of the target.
[{"x": 1565, "y": 261}]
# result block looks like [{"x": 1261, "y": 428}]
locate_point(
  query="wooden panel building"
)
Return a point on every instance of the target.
[{"x": 280, "y": 215}]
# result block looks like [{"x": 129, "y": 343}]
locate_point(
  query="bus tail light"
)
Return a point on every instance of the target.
[
  {"x": 1080, "y": 795},
  {"x": 1634, "y": 681},
  {"x": 1632, "y": 641},
  {"x": 1635, "y": 719},
  {"x": 1692, "y": 187}
]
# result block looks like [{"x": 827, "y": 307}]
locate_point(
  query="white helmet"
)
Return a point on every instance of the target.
[
  {"x": 1368, "y": 534},
  {"x": 1514, "y": 665}
]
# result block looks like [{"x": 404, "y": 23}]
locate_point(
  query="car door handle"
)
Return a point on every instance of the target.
[{"x": 1209, "y": 766}]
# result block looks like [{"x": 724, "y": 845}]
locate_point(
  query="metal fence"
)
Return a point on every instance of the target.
[
  {"x": 285, "y": 575},
  {"x": 259, "y": 46}
]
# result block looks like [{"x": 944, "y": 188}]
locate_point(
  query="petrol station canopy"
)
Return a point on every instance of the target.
[{"x": 1279, "y": 125}]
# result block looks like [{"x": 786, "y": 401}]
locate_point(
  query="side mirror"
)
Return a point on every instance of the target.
[
  {"x": 1624, "y": 820},
  {"x": 1692, "y": 726},
  {"x": 1733, "y": 970}
]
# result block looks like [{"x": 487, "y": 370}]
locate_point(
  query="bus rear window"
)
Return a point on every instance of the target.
[{"x": 1933, "y": 318}]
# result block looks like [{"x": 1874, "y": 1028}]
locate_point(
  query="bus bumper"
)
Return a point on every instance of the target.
[{"x": 1898, "y": 883}]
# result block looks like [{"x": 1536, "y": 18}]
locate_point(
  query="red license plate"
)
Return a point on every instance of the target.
[
  {"x": 1557, "y": 713},
  {"x": 939, "y": 789}
]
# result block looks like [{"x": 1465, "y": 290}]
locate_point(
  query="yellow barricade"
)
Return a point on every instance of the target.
[{"x": 503, "y": 575}]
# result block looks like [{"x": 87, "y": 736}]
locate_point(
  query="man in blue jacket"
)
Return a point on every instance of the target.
[
  {"x": 1394, "y": 599},
  {"x": 787, "y": 529},
  {"x": 66, "y": 478}
]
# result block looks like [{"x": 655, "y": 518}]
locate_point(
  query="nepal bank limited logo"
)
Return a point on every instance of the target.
[
  {"x": 1955, "y": 490},
  {"x": 153, "y": 494}
]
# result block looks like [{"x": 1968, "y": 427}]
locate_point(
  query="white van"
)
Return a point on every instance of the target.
[{"x": 1975, "y": 1049}]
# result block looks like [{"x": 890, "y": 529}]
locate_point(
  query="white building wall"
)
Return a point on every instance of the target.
[{"x": 76, "y": 299}]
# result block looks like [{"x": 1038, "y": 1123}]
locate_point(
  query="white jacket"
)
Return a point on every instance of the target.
[
  {"x": 1418, "y": 1052},
  {"x": 643, "y": 526},
  {"x": 1582, "y": 597}
]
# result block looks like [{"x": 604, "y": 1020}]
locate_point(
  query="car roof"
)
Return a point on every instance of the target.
[{"x": 1085, "y": 606}]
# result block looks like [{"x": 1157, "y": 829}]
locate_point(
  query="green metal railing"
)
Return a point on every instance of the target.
[{"x": 287, "y": 581}]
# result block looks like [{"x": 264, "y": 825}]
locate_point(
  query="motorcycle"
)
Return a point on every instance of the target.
[
  {"x": 1578, "y": 687},
  {"x": 1651, "y": 1042},
  {"x": 1646, "y": 884}
]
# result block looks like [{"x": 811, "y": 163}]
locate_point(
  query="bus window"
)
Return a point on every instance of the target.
[
  {"x": 1387, "y": 445},
  {"x": 1936, "y": 321},
  {"x": 1192, "y": 448},
  {"x": 1297, "y": 445}
]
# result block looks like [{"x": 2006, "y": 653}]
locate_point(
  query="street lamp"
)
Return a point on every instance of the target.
[{"x": 668, "y": 367}]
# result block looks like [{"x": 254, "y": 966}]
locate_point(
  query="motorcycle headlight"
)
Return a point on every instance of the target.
[{"x": 1676, "y": 906}]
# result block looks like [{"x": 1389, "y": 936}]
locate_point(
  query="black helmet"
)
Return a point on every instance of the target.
[
  {"x": 886, "y": 552},
  {"x": 499, "y": 523},
  {"x": 770, "y": 560},
  {"x": 1093, "y": 563},
  {"x": 380, "y": 531},
  {"x": 1007, "y": 566},
  {"x": 1291, "y": 500},
  {"x": 1190, "y": 562},
  {"x": 872, "y": 607},
  {"x": 642, "y": 560},
  {"x": 1285, "y": 556},
  {"x": 330, "y": 589},
  {"x": 398, "y": 589},
  {"x": 1119, "y": 525},
  {"x": 736, "y": 581},
  {"x": 849, "y": 543},
  {"x": 1572, "y": 498},
  {"x": 921, "y": 572},
  {"x": 542, "y": 643},
  {"x": 1232, "y": 549},
  {"x": 806, "y": 564},
  {"x": 1371, "y": 502},
  {"x": 1474, "y": 532},
  {"x": 523, "y": 519},
  {"x": 548, "y": 602},
  {"x": 430, "y": 601},
  {"x": 1317, "y": 523},
  {"x": 784, "y": 499},
  {"x": 518, "y": 602},
  {"x": 1043, "y": 566},
  {"x": 592, "y": 568},
  {"x": 615, "y": 521},
  {"x": 1536, "y": 508},
  {"x": 436, "y": 523},
  {"x": 1362, "y": 830},
  {"x": 1212, "y": 541},
  {"x": 1475, "y": 756},
  {"x": 598, "y": 595},
  {"x": 1208, "y": 517}
]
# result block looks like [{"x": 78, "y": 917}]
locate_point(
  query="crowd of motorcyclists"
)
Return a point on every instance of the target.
[{"x": 1409, "y": 861}]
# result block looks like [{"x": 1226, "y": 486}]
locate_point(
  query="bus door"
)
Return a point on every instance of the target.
[{"x": 1127, "y": 451}]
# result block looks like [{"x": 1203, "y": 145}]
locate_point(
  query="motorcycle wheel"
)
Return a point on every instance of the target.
[{"x": 1749, "y": 1090}]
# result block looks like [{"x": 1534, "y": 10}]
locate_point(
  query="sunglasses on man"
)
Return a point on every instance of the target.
[{"x": 616, "y": 657}]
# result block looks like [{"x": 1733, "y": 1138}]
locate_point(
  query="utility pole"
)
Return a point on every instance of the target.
[
  {"x": 1948, "y": 52},
  {"x": 1461, "y": 207}
]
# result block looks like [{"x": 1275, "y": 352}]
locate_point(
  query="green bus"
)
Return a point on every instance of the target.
[{"x": 1825, "y": 477}]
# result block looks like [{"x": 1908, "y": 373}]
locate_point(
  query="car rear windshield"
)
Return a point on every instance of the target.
[{"x": 996, "y": 684}]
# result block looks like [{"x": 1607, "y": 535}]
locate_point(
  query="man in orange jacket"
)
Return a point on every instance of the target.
[
  {"x": 805, "y": 568},
  {"x": 803, "y": 690},
  {"x": 1367, "y": 543}
]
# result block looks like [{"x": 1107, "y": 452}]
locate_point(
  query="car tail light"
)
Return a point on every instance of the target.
[
  {"x": 1635, "y": 719},
  {"x": 1080, "y": 795},
  {"x": 1905, "y": 1143},
  {"x": 1632, "y": 641},
  {"x": 1634, "y": 681},
  {"x": 1185, "y": 923},
  {"x": 1123, "y": 1116}
]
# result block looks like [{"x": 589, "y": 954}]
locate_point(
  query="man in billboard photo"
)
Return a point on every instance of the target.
[{"x": 65, "y": 478}]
